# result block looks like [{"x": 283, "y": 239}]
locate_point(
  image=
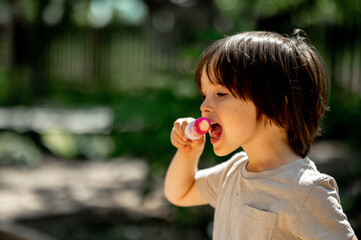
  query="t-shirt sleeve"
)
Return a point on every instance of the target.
[
  {"x": 209, "y": 181},
  {"x": 321, "y": 216}
]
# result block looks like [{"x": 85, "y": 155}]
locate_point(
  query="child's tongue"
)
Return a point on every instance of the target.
[{"x": 216, "y": 131}]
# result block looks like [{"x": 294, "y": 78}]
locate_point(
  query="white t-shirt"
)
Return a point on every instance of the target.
[{"x": 294, "y": 201}]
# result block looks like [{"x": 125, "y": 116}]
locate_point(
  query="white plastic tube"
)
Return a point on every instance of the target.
[{"x": 197, "y": 128}]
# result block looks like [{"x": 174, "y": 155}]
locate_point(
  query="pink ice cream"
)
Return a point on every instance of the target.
[{"x": 197, "y": 128}]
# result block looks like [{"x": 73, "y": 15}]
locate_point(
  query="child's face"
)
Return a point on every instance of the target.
[{"x": 233, "y": 120}]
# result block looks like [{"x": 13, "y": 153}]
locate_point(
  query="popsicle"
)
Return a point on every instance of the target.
[{"x": 197, "y": 128}]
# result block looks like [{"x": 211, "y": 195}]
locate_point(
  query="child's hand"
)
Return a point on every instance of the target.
[{"x": 180, "y": 140}]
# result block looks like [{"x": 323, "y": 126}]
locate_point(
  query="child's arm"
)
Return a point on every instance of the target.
[
  {"x": 354, "y": 238},
  {"x": 179, "y": 187}
]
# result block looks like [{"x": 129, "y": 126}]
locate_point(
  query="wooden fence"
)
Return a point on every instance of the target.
[
  {"x": 117, "y": 59},
  {"x": 130, "y": 58},
  {"x": 133, "y": 58}
]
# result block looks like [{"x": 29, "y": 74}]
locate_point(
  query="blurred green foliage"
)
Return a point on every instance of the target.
[
  {"x": 343, "y": 120},
  {"x": 16, "y": 149}
]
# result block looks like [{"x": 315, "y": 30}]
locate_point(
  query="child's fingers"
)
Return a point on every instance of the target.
[
  {"x": 180, "y": 126},
  {"x": 178, "y": 143},
  {"x": 180, "y": 139},
  {"x": 179, "y": 131}
]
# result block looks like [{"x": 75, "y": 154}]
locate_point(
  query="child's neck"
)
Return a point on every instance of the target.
[
  {"x": 260, "y": 163},
  {"x": 269, "y": 152}
]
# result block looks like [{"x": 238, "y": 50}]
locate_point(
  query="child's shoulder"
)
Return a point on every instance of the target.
[
  {"x": 236, "y": 161},
  {"x": 309, "y": 174},
  {"x": 308, "y": 178},
  {"x": 232, "y": 165}
]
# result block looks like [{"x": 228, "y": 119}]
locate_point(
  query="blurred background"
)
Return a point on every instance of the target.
[{"x": 89, "y": 91}]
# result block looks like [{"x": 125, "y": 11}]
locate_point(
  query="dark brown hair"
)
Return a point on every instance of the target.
[{"x": 283, "y": 76}]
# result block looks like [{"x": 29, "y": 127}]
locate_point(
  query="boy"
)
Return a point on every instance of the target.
[{"x": 266, "y": 93}]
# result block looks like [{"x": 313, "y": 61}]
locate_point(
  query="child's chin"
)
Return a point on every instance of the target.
[{"x": 221, "y": 152}]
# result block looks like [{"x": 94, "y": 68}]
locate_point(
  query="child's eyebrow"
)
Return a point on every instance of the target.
[{"x": 220, "y": 85}]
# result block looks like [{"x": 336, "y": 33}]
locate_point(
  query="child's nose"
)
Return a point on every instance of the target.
[{"x": 206, "y": 106}]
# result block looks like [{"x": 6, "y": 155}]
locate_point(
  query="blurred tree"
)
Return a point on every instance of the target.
[
  {"x": 28, "y": 42},
  {"x": 161, "y": 39}
]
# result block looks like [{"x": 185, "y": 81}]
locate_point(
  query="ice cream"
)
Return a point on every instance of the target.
[{"x": 197, "y": 128}]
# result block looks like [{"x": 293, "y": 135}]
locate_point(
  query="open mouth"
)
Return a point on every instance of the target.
[{"x": 215, "y": 132}]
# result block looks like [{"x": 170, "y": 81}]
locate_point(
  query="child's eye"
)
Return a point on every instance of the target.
[{"x": 220, "y": 94}]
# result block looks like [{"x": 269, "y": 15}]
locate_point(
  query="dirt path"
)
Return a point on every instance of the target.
[{"x": 60, "y": 187}]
